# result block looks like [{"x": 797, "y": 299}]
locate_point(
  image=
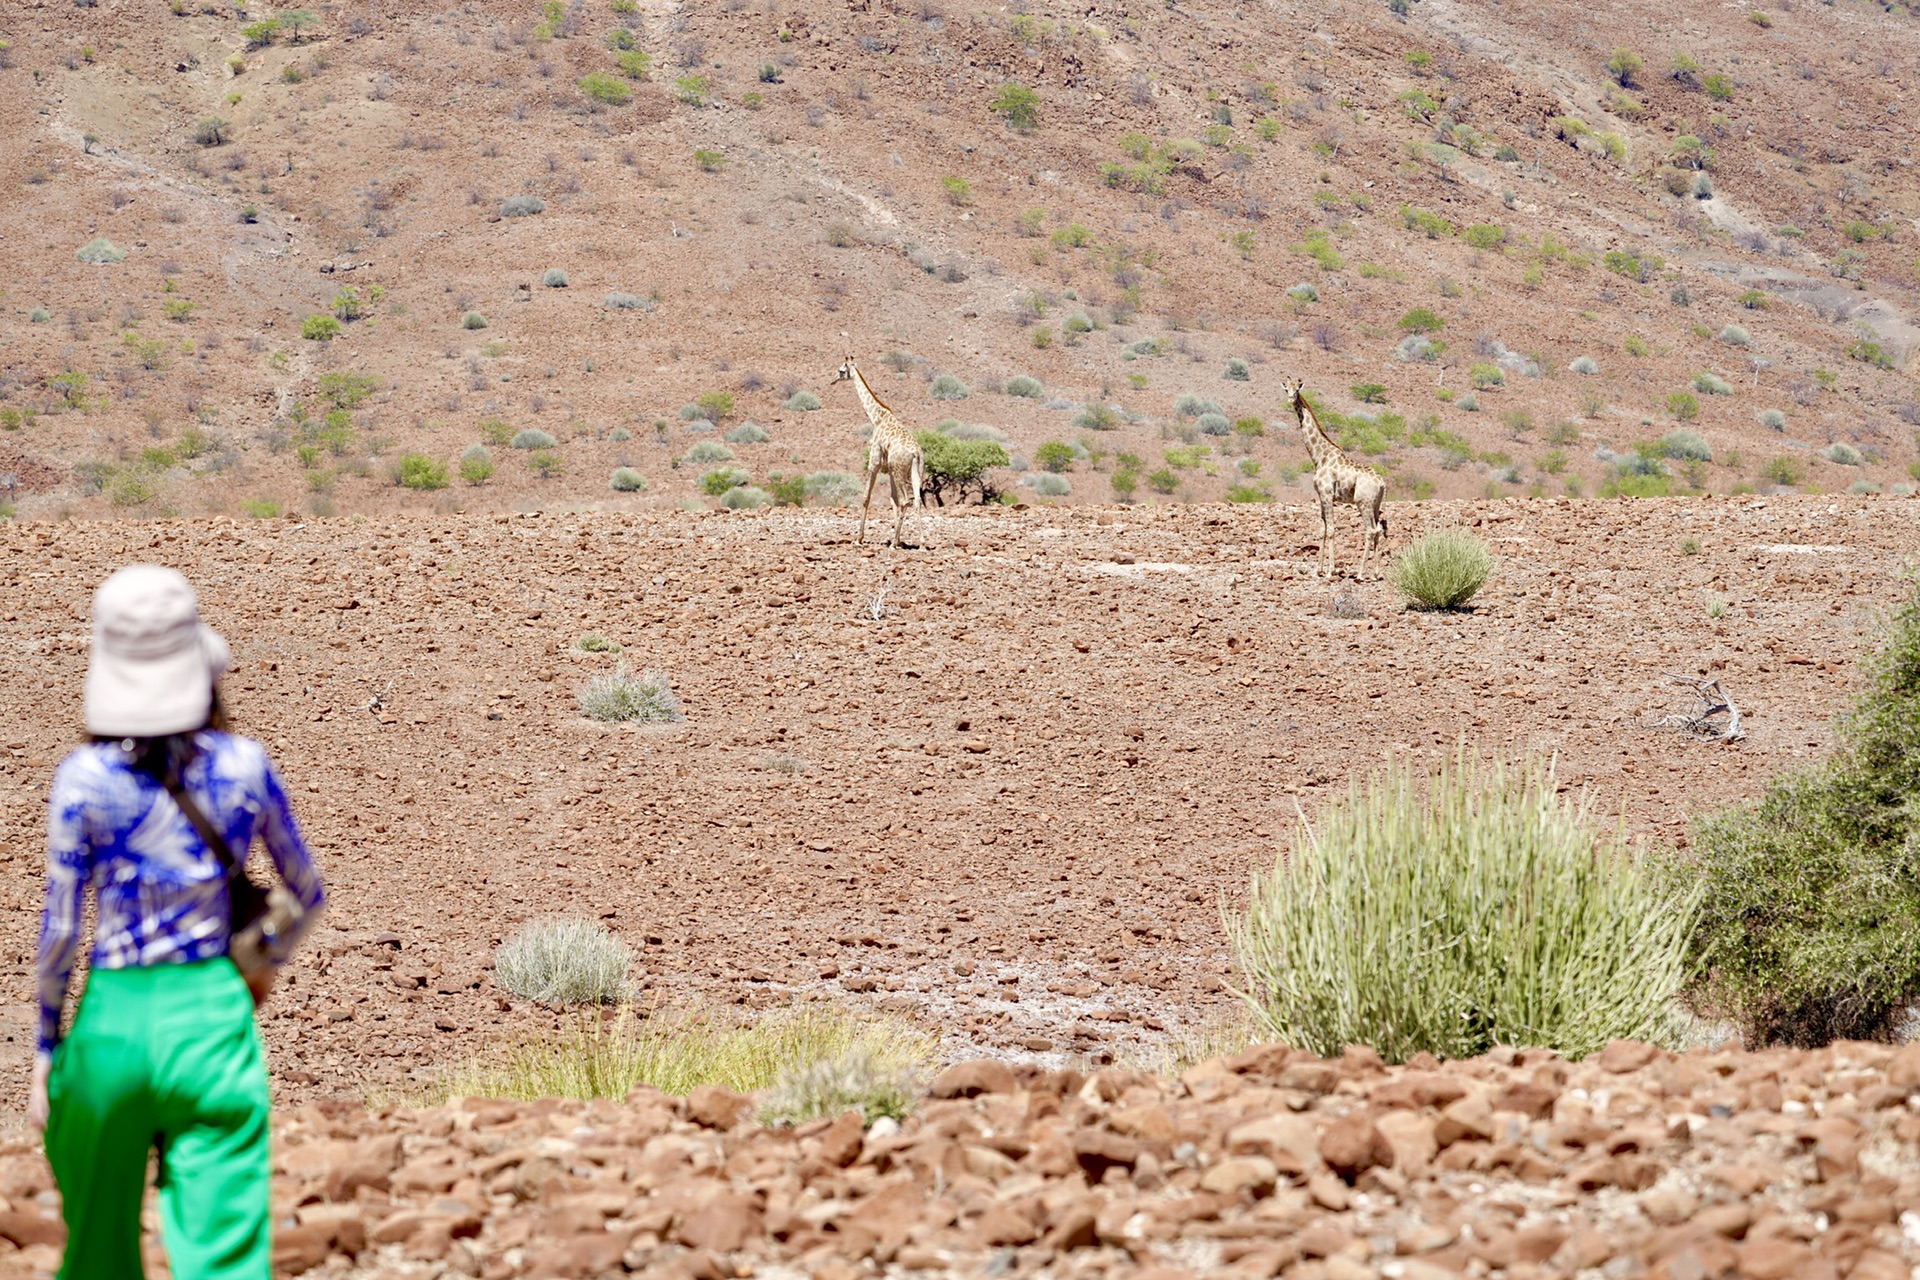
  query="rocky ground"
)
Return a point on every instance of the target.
[
  {"x": 1634, "y": 1163},
  {"x": 999, "y": 785}
]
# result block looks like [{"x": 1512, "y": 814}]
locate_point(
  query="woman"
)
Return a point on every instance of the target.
[{"x": 163, "y": 1051}]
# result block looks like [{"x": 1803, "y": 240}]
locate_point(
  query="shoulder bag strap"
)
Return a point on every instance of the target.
[{"x": 209, "y": 834}]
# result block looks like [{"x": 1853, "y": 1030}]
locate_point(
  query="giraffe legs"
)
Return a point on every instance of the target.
[
  {"x": 873, "y": 473},
  {"x": 1326, "y": 533}
]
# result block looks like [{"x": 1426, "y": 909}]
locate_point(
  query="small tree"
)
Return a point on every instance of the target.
[
  {"x": 476, "y": 464},
  {"x": 298, "y": 20},
  {"x": 605, "y": 89},
  {"x": 259, "y": 35},
  {"x": 320, "y": 328},
  {"x": 715, "y": 405},
  {"x": 1623, "y": 65},
  {"x": 1054, "y": 456},
  {"x": 1018, "y": 105},
  {"x": 959, "y": 466},
  {"x": 211, "y": 131},
  {"x": 418, "y": 471}
]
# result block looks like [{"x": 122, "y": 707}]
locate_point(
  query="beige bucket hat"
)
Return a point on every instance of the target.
[{"x": 154, "y": 662}]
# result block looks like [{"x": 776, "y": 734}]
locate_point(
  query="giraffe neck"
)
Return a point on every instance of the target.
[
  {"x": 1323, "y": 449},
  {"x": 876, "y": 411}
]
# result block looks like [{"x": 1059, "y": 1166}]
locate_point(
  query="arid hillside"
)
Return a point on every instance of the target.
[{"x": 1505, "y": 246}]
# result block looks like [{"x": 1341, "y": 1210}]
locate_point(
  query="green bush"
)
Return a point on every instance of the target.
[
  {"x": 1054, "y": 456},
  {"x": 748, "y": 433},
  {"x": 1027, "y": 388},
  {"x": 1811, "y": 925},
  {"x": 1369, "y": 392},
  {"x": 745, "y": 497},
  {"x": 619, "y": 695},
  {"x": 716, "y": 482},
  {"x": 546, "y": 463},
  {"x": 948, "y": 387},
  {"x": 476, "y": 464},
  {"x": 1442, "y": 569},
  {"x": 418, "y": 471},
  {"x": 605, "y": 89},
  {"x": 1475, "y": 911},
  {"x": 787, "y": 490},
  {"x": 594, "y": 642},
  {"x": 554, "y": 278},
  {"x": 1683, "y": 405},
  {"x": 1237, "y": 370},
  {"x": 875, "y": 1083},
  {"x": 473, "y": 320},
  {"x": 533, "y": 438},
  {"x": 1687, "y": 446},
  {"x": 801, "y": 402},
  {"x": 955, "y": 467},
  {"x": 564, "y": 961},
  {"x": 1422, "y": 320},
  {"x": 626, "y": 480},
  {"x": 705, "y": 451},
  {"x": 1782, "y": 471},
  {"x": 1018, "y": 105},
  {"x": 1843, "y": 453},
  {"x": 100, "y": 252},
  {"x": 319, "y": 328}
]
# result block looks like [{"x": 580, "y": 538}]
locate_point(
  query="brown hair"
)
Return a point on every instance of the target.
[{"x": 163, "y": 756}]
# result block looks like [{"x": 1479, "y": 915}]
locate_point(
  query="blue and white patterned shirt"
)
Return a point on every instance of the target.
[{"x": 162, "y": 895}]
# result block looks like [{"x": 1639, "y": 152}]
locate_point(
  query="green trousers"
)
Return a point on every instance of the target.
[{"x": 162, "y": 1057}]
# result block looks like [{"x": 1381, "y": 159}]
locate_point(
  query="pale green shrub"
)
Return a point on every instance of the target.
[
  {"x": 1442, "y": 569},
  {"x": 564, "y": 961}
]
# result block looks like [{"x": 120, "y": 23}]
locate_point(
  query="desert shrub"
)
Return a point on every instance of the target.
[
  {"x": 712, "y": 405},
  {"x": 1584, "y": 365},
  {"x": 955, "y": 467},
  {"x": 1811, "y": 925},
  {"x": 1026, "y": 388},
  {"x": 748, "y": 433},
  {"x": 1682, "y": 405},
  {"x": 1734, "y": 336},
  {"x": 1099, "y": 417},
  {"x": 1632, "y": 264},
  {"x": 554, "y": 278},
  {"x": 745, "y": 497},
  {"x": 495, "y": 431},
  {"x": 1237, "y": 371},
  {"x": 533, "y": 438},
  {"x": 100, "y": 251},
  {"x": 253, "y": 508},
  {"x": 1422, "y": 320},
  {"x": 1468, "y": 403},
  {"x": 1213, "y": 424},
  {"x": 1055, "y": 455},
  {"x": 565, "y": 960},
  {"x": 522, "y": 206},
  {"x": 1485, "y": 235},
  {"x": 418, "y": 471},
  {"x": 1192, "y": 406},
  {"x": 547, "y": 463},
  {"x": 604, "y": 88},
  {"x": 1018, "y": 105},
  {"x": 1304, "y": 292},
  {"x": 626, "y": 480},
  {"x": 959, "y": 430},
  {"x": 1442, "y": 569},
  {"x": 620, "y": 695},
  {"x": 1048, "y": 485},
  {"x": 1774, "y": 419},
  {"x": 1687, "y": 446},
  {"x": 617, "y": 301},
  {"x": 211, "y": 131},
  {"x": 1484, "y": 375},
  {"x": 1782, "y": 471},
  {"x": 834, "y": 487},
  {"x": 476, "y": 464},
  {"x": 679, "y": 1051},
  {"x": 1841, "y": 452},
  {"x": 717, "y": 481},
  {"x": 948, "y": 387},
  {"x": 473, "y": 320},
  {"x": 705, "y": 451},
  {"x": 319, "y": 328},
  {"x": 1369, "y": 392},
  {"x": 861, "y": 1079},
  {"x": 1472, "y": 911},
  {"x": 39, "y": 315},
  {"x": 1708, "y": 384},
  {"x": 801, "y": 402},
  {"x": 619, "y": 435},
  {"x": 1418, "y": 347},
  {"x": 594, "y": 642}
]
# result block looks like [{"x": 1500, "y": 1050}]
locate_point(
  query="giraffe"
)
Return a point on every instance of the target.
[
  {"x": 1335, "y": 479},
  {"x": 891, "y": 447}
]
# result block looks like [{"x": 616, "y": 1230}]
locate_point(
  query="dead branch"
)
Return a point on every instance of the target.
[{"x": 1705, "y": 721}]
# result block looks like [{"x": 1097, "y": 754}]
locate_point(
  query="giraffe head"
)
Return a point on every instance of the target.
[
  {"x": 1293, "y": 389},
  {"x": 845, "y": 372}
]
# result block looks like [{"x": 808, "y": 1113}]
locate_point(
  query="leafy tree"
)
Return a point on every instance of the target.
[
  {"x": 1623, "y": 65},
  {"x": 1018, "y": 105},
  {"x": 958, "y": 467},
  {"x": 298, "y": 20},
  {"x": 1054, "y": 456}
]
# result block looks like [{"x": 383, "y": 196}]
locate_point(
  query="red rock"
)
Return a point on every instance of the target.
[
  {"x": 971, "y": 1079},
  {"x": 1353, "y": 1144},
  {"x": 840, "y": 1144},
  {"x": 1323, "y": 1240},
  {"x": 1729, "y": 1220},
  {"x": 302, "y": 1248},
  {"x": 1469, "y": 1117},
  {"x": 1903, "y": 1071},
  {"x": 594, "y": 1254},
  {"x": 726, "y": 1222},
  {"x": 1248, "y": 1175},
  {"x": 1622, "y": 1056},
  {"x": 1535, "y": 1101},
  {"x": 24, "y": 1228},
  {"x": 1286, "y": 1139},
  {"x": 1778, "y": 1259},
  {"x": 1411, "y": 1136},
  {"x": 1527, "y": 1245},
  {"x": 1000, "y": 1226},
  {"x": 1875, "y": 1265},
  {"x": 1075, "y": 1229},
  {"x": 1098, "y": 1150},
  {"x": 714, "y": 1107}
]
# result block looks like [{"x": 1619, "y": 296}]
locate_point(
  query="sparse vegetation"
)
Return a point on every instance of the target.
[
  {"x": 623, "y": 697},
  {"x": 1018, "y": 105},
  {"x": 748, "y": 433},
  {"x": 320, "y": 328},
  {"x": 554, "y": 278},
  {"x": 564, "y": 961},
  {"x": 522, "y": 206},
  {"x": 101, "y": 252},
  {"x": 476, "y": 464},
  {"x": 1474, "y": 910},
  {"x": 627, "y": 480},
  {"x": 948, "y": 387},
  {"x": 419, "y": 471},
  {"x": 533, "y": 438},
  {"x": 1441, "y": 570},
  {"x": 801, "y": 402},
  {"x": 1810, "y": 930}
]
